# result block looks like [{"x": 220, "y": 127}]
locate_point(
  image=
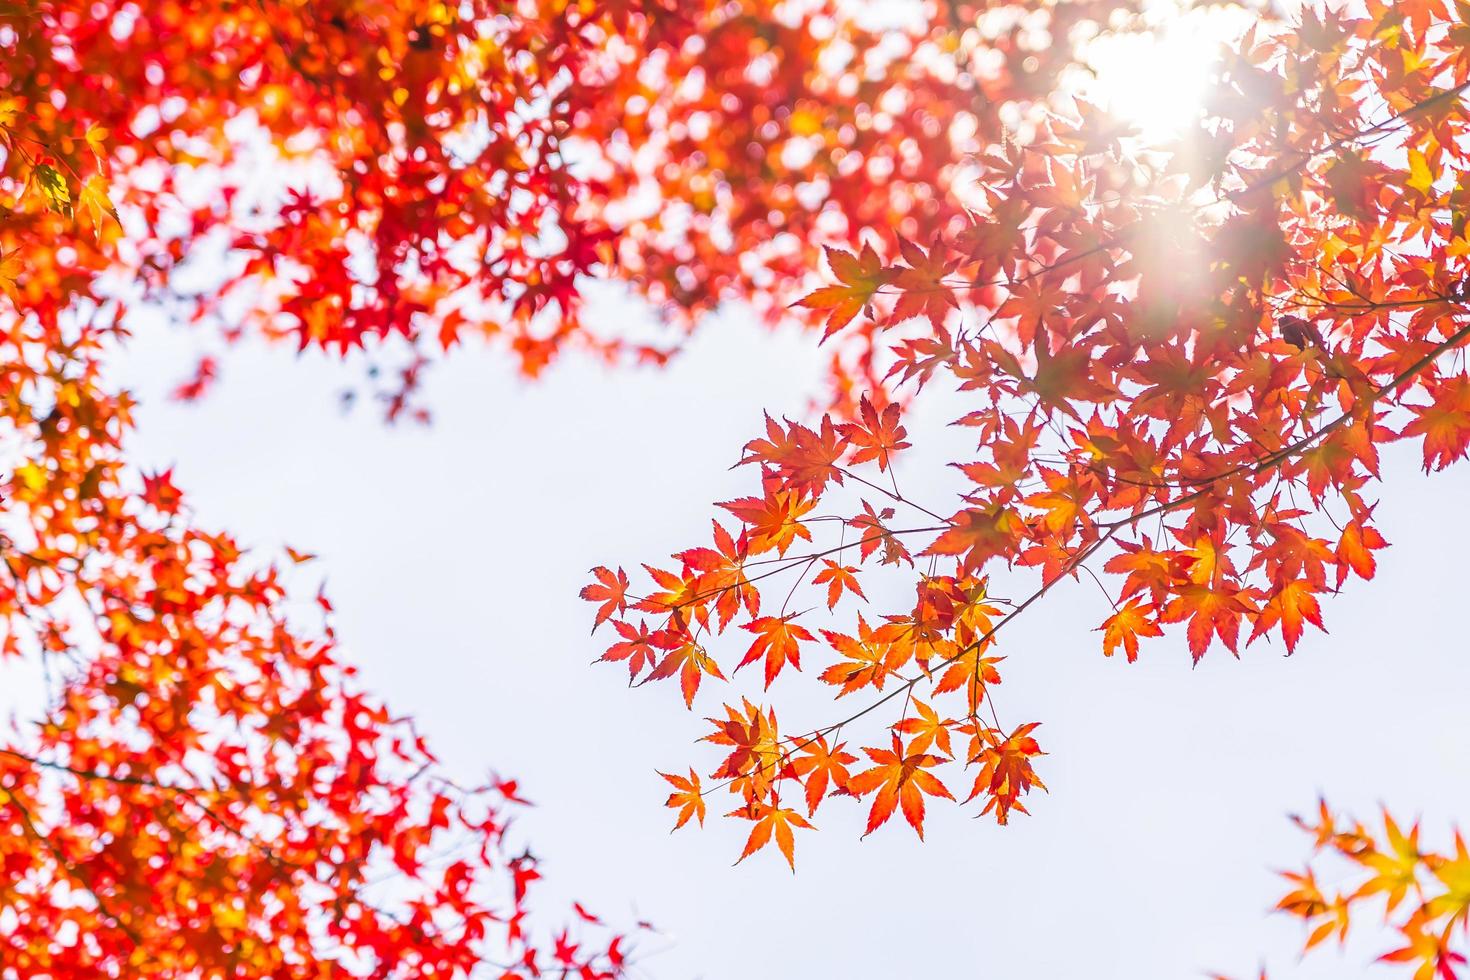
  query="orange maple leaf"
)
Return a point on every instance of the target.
[
  {"x": 636, "y": 647},
  {"x": 859, "y": 277},
  {"x": 805, "y": 459},
  {"x": 1125, "y": 626},
  {"x": 612, "y": 593},
  {"x": 979, "y": 534},
  {"x": 1005, "y": 773},
  {"x": 722, "y": 574},
  {"x": 776, "y": 640},
  {"x": 1355, "y": 550},
  {"x": 1290, "y": 605},
  {"x": 772, "y": 821},
  {"x": 900, "y": 780},
  {"x": 875, "y": 533},
  {"x": 686, "y": 798},
  {"x": 876, "y": 436},
  {"x": 1210, "y": 612},
  {"x": 923, "y": 291},
  {"x": 1445, "y": 425},
  {"x": 870, "y": 659},
  {"x": 929, "y": 729},
  {"x": 838, "y": 577},
  {"x": 820, "y": 765},
  {"x": 774, "y": 520},
  {"x": 692, "y": 663}
]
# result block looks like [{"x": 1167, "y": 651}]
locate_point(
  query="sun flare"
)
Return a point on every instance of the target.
[{"x": 1156, "y": 79}]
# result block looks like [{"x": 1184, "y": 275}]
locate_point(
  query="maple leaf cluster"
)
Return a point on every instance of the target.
[
  {"x": 1180, "y": 356},
  {"x": 1425, "y": 893},
  {"x": 944, "y": 642},
  {"x": 1180, "y": 360},
  {"x": 202, "y": 788},
  {"x": 206, "y": 791},
  {"x": 399, "y": 177}
]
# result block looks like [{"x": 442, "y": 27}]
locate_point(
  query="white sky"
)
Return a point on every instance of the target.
[{"x": 454, "y": 554}]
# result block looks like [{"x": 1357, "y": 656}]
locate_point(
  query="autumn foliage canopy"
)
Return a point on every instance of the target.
[{"x": 1180, "y": 349}]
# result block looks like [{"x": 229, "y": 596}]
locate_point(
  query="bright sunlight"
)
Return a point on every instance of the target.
[{"x": 1156, "y": 78}]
